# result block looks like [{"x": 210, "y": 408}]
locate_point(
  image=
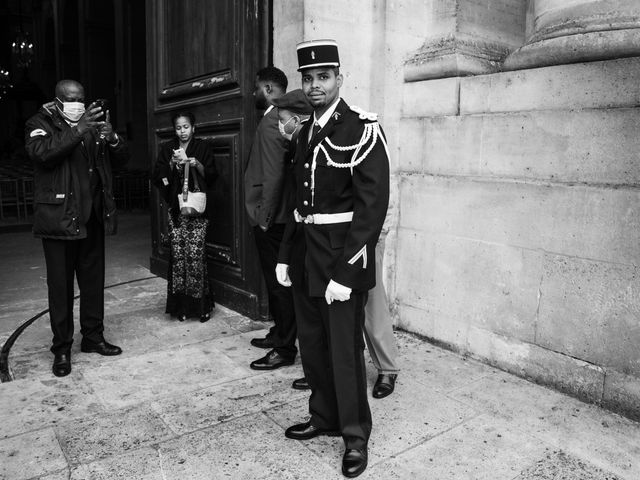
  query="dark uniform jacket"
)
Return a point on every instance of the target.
[
  {"x": 63, "y": 162},
  {"x": 169, "y": 179},
  {"x": 343, "y": 252},
  {"x": 264, "y": 174}
]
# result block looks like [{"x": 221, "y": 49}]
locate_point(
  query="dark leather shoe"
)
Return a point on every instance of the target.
[
  {"x": 354, "y": 462},
  {"x": 301, "y": 384},
  {"x": 61, "y": 364},
  {"x": 385, "y": 384},
  {"x": 205, "y": 318},
  {"x": 306, "y": 431},
  {"x": 103, "y": 348},
  {"x": 262, "y": 342},
  {"x": 271, "y": 361}
]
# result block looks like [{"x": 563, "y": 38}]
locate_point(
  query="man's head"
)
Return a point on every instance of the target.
[
  {"x": 319, "y": 63},
  {"x": 271, "y": 83},
  {"x": 70, "y": 100},
  {"x": 293, "y": 108},
  {"x": 321, "y": 86}
]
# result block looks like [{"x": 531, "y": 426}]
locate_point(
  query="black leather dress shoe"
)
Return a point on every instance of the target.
[
  {"x": 271, "y": 361},
  {"x": 354, "y": 462},
  {"x": 301, "y": 384},
  {"x": 306, "y": 431},
  {"x": 262, "y": 342},
  {"x": 205, "y": 318},
  {"x": 103, "y": 348},
  {"x": 385, "y": 384},
  {"x": 62, "y": 364}
]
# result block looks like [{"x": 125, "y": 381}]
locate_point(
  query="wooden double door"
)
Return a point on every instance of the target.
[{"x": 202, "y": 57}]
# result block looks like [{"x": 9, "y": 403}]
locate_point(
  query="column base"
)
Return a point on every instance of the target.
[
  {"x": 585, "y": 47},
  {"x": 454, "y": 57}
]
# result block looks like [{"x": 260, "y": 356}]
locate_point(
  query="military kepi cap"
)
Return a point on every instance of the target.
[
  {"x": 295, "y": 101},
  {"x": 317, "y": 53}
]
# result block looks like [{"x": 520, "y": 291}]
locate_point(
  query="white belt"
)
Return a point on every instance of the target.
[{"x": 323, "y": 218}]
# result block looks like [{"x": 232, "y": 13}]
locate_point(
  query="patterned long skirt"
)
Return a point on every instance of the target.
[{"x": 188, "y": 289}]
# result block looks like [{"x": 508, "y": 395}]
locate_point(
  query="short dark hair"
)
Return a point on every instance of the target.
[
  {"x": 177, "y": 115},
  {"x": 274, "y": 75}
]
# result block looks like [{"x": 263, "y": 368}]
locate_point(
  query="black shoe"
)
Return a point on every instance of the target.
[
  {"x": 204, "y": 318},
  {"x": 271, "y": 361},
  {"x": 306, "y": 431},
  {"x": 103, "y": 348},
  {"x": 301, "y": 384},
  {"x": 385, "y": 384},
  {"x": 61, "y": 364},
  {"x": 182, "y": 318},
  {"x": 262, "y": 342},
  {"x": 354, "y": 462}
]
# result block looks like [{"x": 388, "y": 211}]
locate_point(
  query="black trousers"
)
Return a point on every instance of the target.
[
  {"x": 331, "y": 348},
  {"x": 85, "y": 259},
  {"x": 283, "y": 333}
]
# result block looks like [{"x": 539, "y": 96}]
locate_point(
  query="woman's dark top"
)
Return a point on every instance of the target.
[{"x": 168, "y": 179}]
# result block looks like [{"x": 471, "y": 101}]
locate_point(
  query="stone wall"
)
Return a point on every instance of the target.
[{"x": 515, "y": 175}]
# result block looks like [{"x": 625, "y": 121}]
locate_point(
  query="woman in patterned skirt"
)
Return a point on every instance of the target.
[{"x": 188, "y": 291}]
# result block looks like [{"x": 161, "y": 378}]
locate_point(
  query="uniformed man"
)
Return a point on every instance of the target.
[{"x": 342, "y": 193}]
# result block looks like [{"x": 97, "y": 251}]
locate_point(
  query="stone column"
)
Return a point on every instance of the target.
[
  {"x": 465, "y": 37},
  {"x": 570, "y": 31}
]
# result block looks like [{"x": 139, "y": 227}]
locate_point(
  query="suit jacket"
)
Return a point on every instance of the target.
[
  {"x": 343, "y": 252},
  {"x": 264, "y": 174}
]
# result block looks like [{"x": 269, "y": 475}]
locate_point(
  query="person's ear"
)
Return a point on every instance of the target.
[
  {"x": 268, "y": 88},
  {"x": 339, "y": 80}
]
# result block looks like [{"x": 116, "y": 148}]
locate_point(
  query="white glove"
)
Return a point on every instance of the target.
[
  {"x": 336, "y": 291},
  {"x": 282, "y": 274}
]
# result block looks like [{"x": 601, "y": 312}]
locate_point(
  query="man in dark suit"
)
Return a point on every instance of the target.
[
  {"x": 342, "y": 194},
  {"x": 73, "y": 151},
  {"x": 264, "y": 201}
]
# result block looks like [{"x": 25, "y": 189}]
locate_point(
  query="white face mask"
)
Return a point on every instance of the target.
[
  {"x": 282, "y": 130},
  {"x": 72, "y": 111}
]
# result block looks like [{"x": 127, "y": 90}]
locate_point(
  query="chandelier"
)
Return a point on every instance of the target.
[
  {"x": 22, "y": 49},
  {"x": 5, "y": 83}
]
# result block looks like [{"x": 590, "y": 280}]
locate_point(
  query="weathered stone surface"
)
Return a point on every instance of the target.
[
  {"x": 558, "y": 464},
  {"x": 222, "y": 452},
  {"x": 563, "y": 372},
  {"x": 561, "y": 421},
  {"x": 491, "y": 286},
  {"x": 483, "y": 448},
  {"x": 588, "y": 222},
  {"x": 162, "y": 373},
  {"x": 606, "y": 84},
  {"x": 30, "y": 455},
  {"x": 221, "y": 403},
  {"x": 591, "y": 310},
  {"x": 550, "y": 146},
  {"x": 621, "y": 393},
  {"x": 432, "y": 98},
  {"x": 111, "y": 433},
  {"x": 32, "y": 404},
  {"x": 141, "y": 464},
  {"x": 418, "y": 359}
]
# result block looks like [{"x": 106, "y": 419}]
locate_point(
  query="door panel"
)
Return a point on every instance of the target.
[{"x": 202, "y": 58}]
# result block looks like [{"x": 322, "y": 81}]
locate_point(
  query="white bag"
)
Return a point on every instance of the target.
[{"x": 192, "y": 204}]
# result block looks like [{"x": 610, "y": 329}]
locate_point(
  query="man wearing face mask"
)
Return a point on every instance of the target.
[
  {"x": 267, "y": 214},
  {"x": 73, "y": 150}
]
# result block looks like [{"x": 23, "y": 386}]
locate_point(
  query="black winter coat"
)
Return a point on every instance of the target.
[{"x": 62, "y": 158}]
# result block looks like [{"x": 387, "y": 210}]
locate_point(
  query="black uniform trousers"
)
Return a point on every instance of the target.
[
  {"x": 331, "y": 348},
  {"x": 85, "y": 259},
  {"x": 283, "y": 333}
]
